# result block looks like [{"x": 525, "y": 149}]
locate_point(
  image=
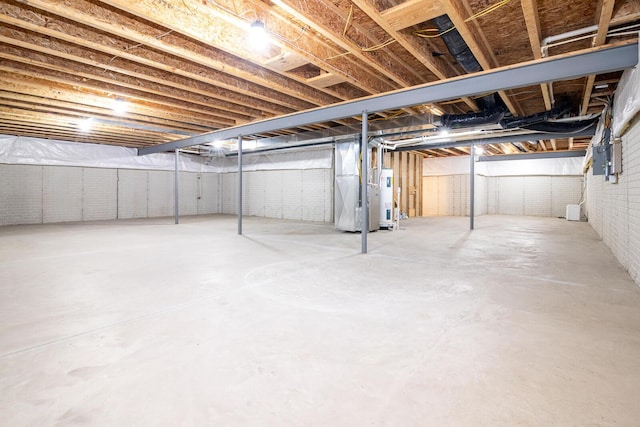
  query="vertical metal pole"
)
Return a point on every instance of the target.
[
  {"x": 472, "y": 187},
  {"x": 365, "y": 180},
  {"x": 240, "y": 184},
  {"x": 176, "y": 186}
]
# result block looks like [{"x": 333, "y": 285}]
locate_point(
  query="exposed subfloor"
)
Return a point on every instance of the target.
[{"x": 524, "y": 321}]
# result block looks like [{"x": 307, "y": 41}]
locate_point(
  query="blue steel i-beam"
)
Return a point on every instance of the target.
[{"x": 562, "y": 67}]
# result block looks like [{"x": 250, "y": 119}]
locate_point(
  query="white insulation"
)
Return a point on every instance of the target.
[
  {"x": 41, "y": 152},
  {"x": 626, "y": 103},
  {"x": 529, "y": 167}
]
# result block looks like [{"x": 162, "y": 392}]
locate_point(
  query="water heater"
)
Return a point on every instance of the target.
[{"x": 386, "y": 198}]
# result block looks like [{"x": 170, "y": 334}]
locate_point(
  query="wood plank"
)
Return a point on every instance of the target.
[
  {"x": 60, "y": 98},
  {"x": 404, "y": 182},
  {"x": 249, "y": 91},
  {"x": 605, "y": 8},
  {"x": 286, "y": 61},
  {"x": 412, "y": 12},
  {"x": 214, "y": 27},
  {"x": 481, "y": 53},
  {"x": 411, "y": 184},
  {"x": 440, "y": 68},
  {"x": 532, "y": 19},
  {"x": 130, "y": 29},
  {"x": 420, "y": 157},
  {"x": 86, "y": 81},
  {"x": 326, "y": 80}
]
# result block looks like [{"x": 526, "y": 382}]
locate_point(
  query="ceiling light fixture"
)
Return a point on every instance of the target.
[
  {"x": 119, "y": 106},
  {"x": 85, "y": 125},
  {"x": 258, "y": 37}
]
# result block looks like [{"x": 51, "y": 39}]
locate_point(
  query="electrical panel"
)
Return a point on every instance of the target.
[{"x": 599, "y": 160}]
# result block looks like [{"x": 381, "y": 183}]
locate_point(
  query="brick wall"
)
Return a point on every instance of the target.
[{"x": 614, "y": 209}]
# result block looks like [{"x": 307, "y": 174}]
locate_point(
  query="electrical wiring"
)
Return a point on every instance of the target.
[{"x": 483, "y": 12}]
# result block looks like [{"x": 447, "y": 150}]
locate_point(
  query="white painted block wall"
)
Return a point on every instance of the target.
[
  {"x": 504, "y": 195},
  {"x": 614, "y": 209},
  {"x": 300, "y": 194},
  {"x": 47, "y": 194}
]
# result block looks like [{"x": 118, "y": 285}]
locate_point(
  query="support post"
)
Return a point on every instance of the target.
[
  {"x": 176, "y": 187},
  {"x": 239, "y": 184},
  {"x": 472, "y": 187},
  {"x": 364, "y": 184}
]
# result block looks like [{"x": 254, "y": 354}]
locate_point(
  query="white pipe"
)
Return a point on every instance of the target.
[{"x": 568, "y": 34}]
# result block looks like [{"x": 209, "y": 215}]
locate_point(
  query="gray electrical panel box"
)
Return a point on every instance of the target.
[{"x": 599, "y": 160}]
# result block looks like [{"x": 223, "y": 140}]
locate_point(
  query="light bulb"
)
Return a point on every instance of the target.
[
  {"x": 119, "y": 106},
  {"x": 85, "y": 125},
  {"x": 258, "y": 38}
]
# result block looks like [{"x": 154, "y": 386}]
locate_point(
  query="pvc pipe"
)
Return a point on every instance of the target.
[{"x": 568, "y": 34}]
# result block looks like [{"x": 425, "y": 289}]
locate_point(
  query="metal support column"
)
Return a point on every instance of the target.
[
  {"x": 176, "y": 186},
  {"x": 364, "y": 183},
  {"x": 240, "y": 184},
  {"x": 472, "y": 186}
]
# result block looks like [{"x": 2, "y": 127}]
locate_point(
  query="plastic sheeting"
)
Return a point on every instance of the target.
[
  {"x": 567, "y": 166},
  {"x": 525, "y": 167},
  {"x": 626, "y": 103},
  {"x": 37, "y": 151},
  {"x": 445, "y": 166},
  {"x": 307, "y": 158}
]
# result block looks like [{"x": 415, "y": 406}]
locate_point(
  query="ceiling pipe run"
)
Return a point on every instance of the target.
[{"x": 564, "y": 36}]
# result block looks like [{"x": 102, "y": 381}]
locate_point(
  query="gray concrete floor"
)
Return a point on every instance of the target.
[{"x": 524, "y": 321}]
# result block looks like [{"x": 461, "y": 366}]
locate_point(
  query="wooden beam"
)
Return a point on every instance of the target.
[
  {"x": 605, "y": 8},
  {"x": 325, "y": 80},
  {"x": 553, "y": 144},
  {"x": 61, "y": 74},
  {"x": 299, "y": 10},
  {"x": 570, "y": 143},
  {"x": 235, "y": 90},
  {"x": 411, "y": 12},
  {"x": 32, "y": 75},
  {"x": 213, "y": 26},
  {"x": 481, "y": 54},
  {"x": 89, "y": 105},
  {"x": 438, "y": 68},
  {"x": 128, "y": 28},
  {"x": 530, "y": 10}
]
